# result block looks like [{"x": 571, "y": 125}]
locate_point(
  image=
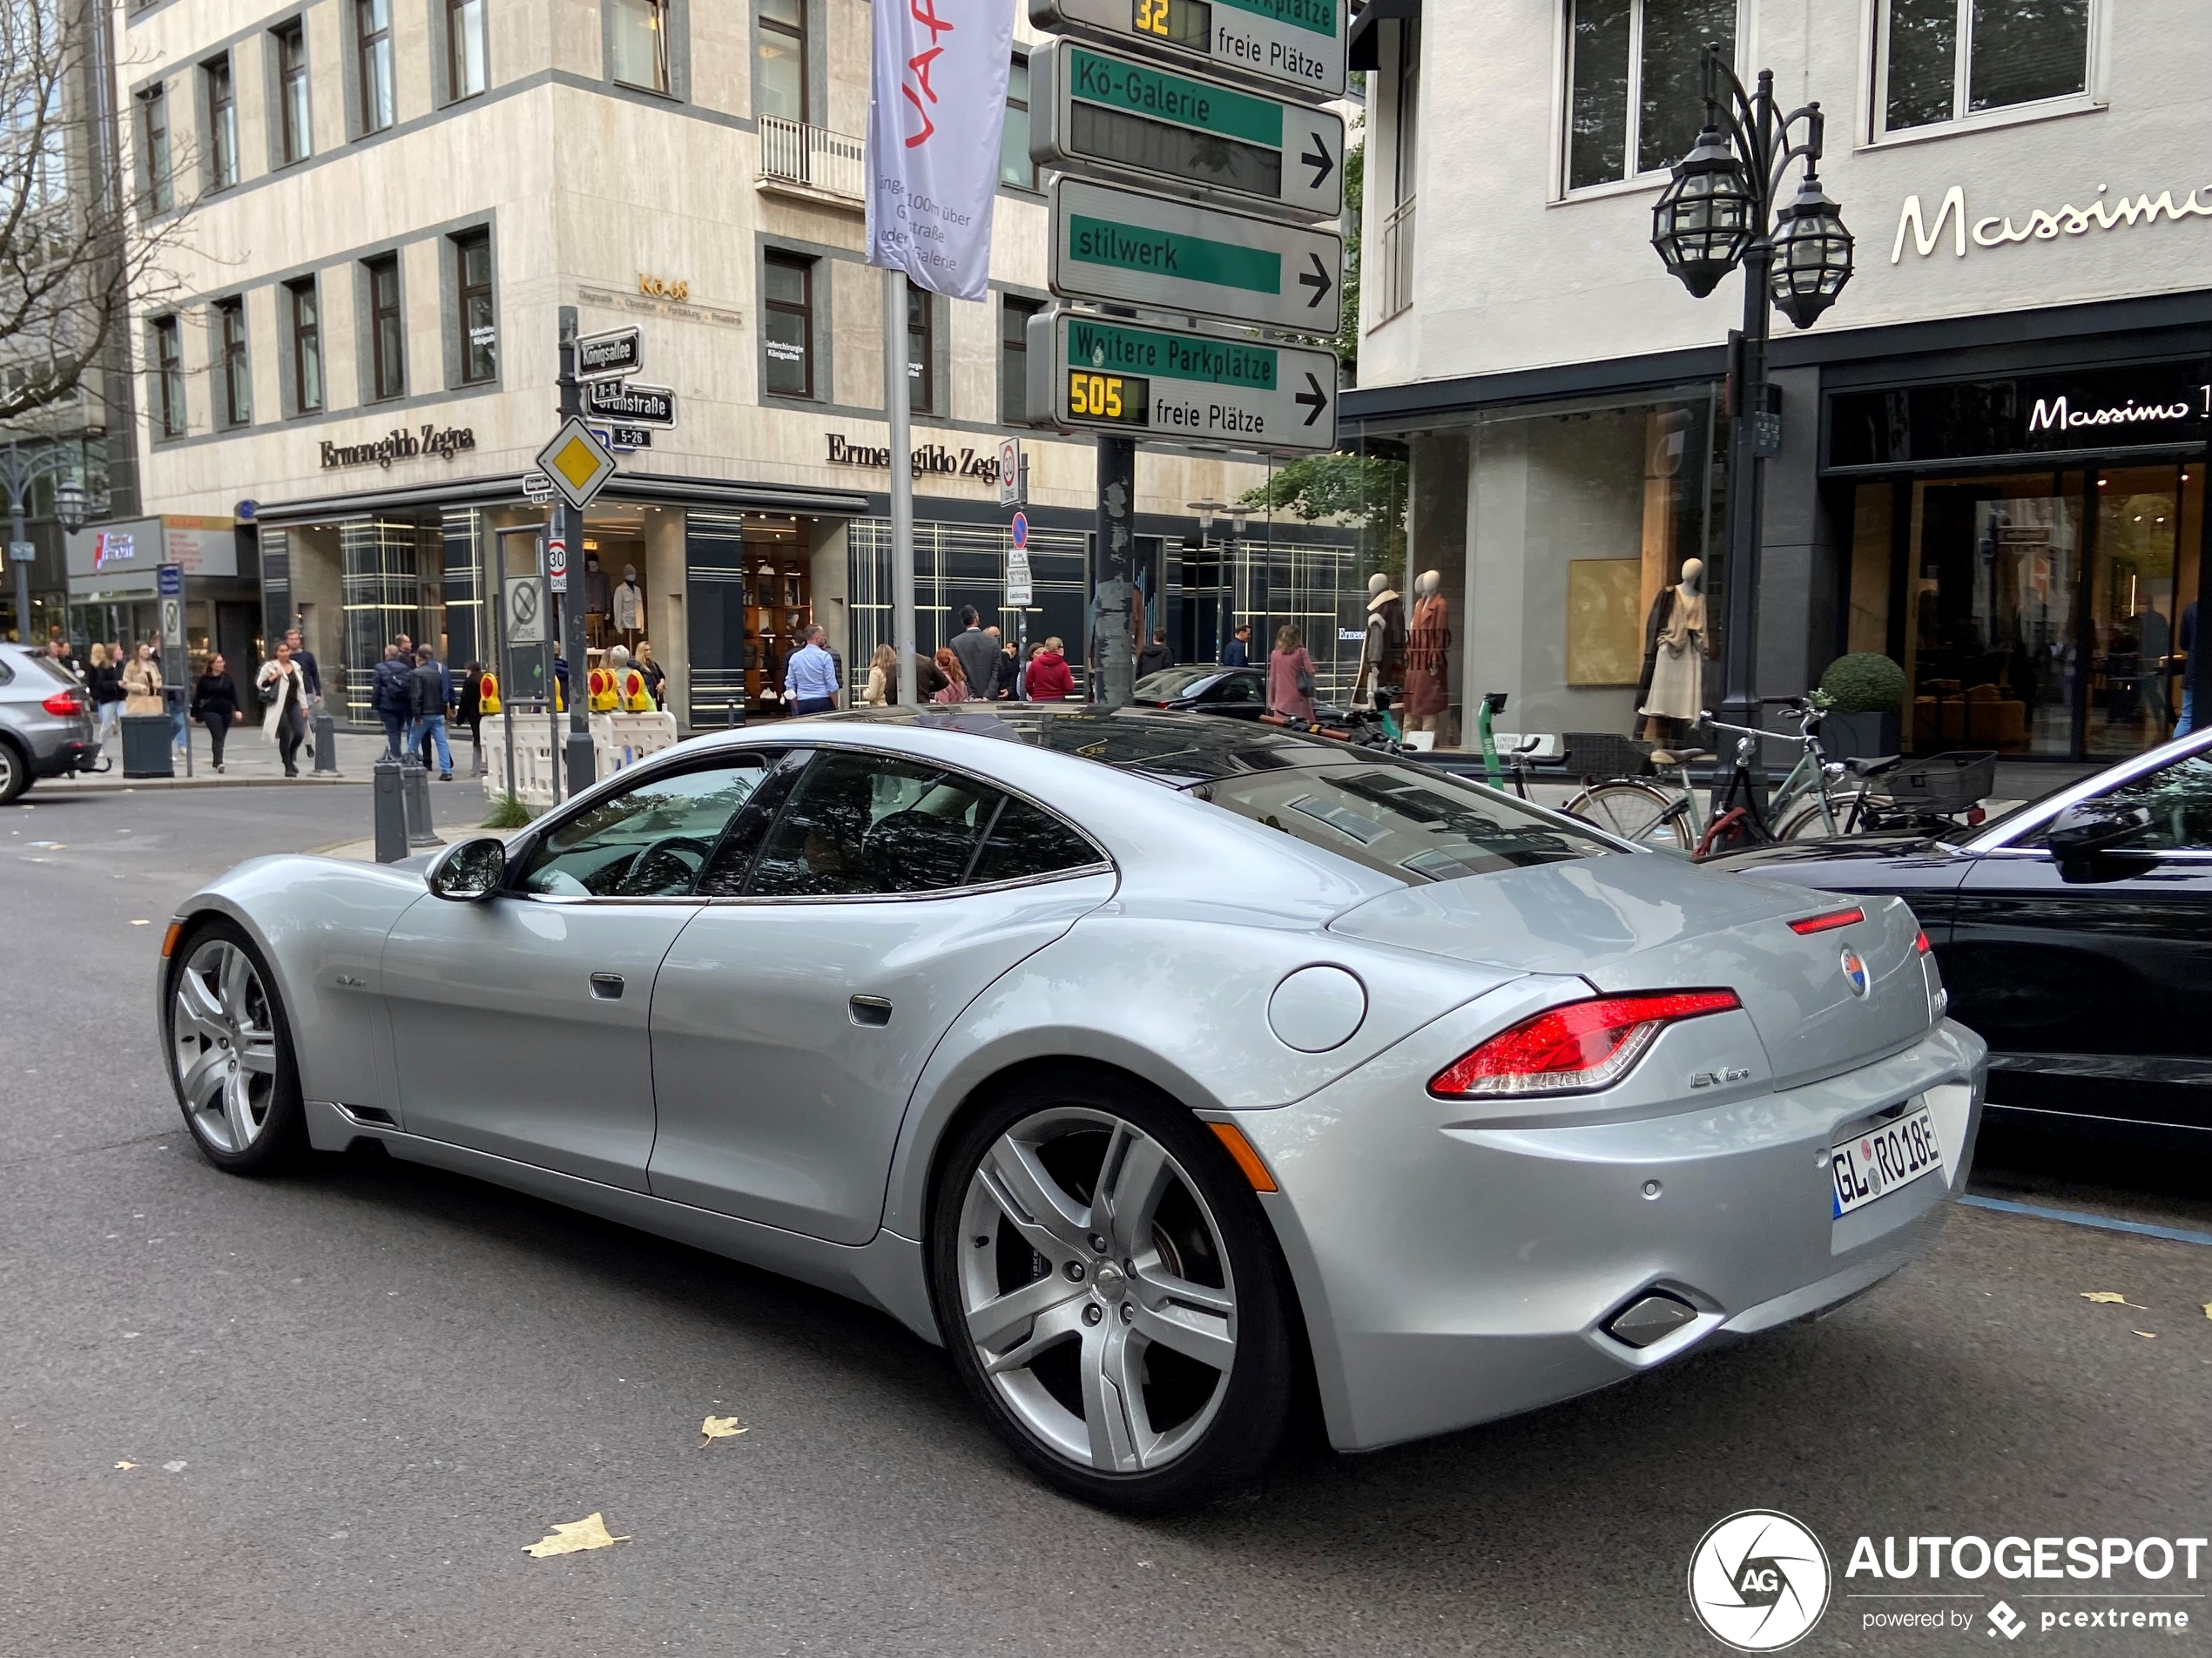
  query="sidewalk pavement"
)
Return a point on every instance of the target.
[
  {"x": 364, "y": 851},
  {"x": 250, "y": 758}
]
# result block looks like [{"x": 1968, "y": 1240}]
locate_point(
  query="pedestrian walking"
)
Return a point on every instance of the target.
[
  {"x": 391, "y": 693},
  {"x": 1156, "y": 656},
  {"x": 104, "y": 682},
  {"x": 1289, "y": 676},
  {"x": 284, "y": 706},
  {"x": 883, "y": 678},
  {"x": 1050, "y": 679},
  {"x": 215, "y": 704},
  {"x": 809, "y": 678},
  {"x": 427, "y": 706},
  {"x": 954, "y": 689},
  {"x": 468, "y": 712},
  {"x": 976, "y": 652},
  {"x": 311, "y": 677},
  {"x": 1008, "y": 686},
  {"x": 142, "y": 682},
  {"x": 656, "y": 675},
  {"x": 1237, "y": 653}
]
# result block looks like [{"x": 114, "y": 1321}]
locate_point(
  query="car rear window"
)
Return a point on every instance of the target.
[
  {"x": 1416, "y": 827},
  {"x": 53, "y": 670}
]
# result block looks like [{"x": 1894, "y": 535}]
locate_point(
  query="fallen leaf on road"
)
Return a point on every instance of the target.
[
  {"x": 2112, "y": 1297},
  {"x": 573, "y": 1538},
  {"x": 2148, "y": 1335},
  {"x": 126, "y": 1465},
  {"x": 142, "y": 924},
  {"x": 178, "y": 1466},
  {"x": 719, "y": 1428},
  {"x": 2208, "y": 1308}
]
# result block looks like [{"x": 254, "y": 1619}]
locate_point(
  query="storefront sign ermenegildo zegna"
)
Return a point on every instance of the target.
[
  {"x": 928, "y": 459},
  {"x": 2105, "y": 212},
  {"x": 400, "y": 444}
]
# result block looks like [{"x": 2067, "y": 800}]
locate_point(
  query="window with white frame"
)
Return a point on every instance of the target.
[
  {"x": 1944, "y": 60},
  {"x": 1634, "y": 83}
]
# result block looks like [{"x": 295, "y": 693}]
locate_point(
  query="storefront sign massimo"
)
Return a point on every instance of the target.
[
  {"x": 400, "y": 444},
  {"x": 2044, "y": 224}
]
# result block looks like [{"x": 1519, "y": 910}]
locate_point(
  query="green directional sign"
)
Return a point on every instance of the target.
[
  {"x": 1132, "y": 248},
  {"x": 1103, "y": 113},
  {"x": 1285, "y": 45},
  {"x": 1181, "y": 383}
]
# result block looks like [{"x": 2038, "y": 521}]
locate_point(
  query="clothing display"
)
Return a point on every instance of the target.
[
  {"x": 1428, "y": 652},
  {"x": 1382, "y": 651},
  {"x": 629, "y": 604},
  {"x": 1676, "y": 645}
]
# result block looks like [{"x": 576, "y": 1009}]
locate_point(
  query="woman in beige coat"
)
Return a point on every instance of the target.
[{"x": 142, "y": 683}]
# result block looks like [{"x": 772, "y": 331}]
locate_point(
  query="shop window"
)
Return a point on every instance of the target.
[
  {"x": 465, "y": 48},
  {"x": 168, "y": 351},
  {"x": 1015, "y": 166},
  {"x": 234, "y": 379},
  {"x": 294, "y": 132},
  {"x": 862, "y": 824},
  {"x": 649, "y": 841},
  {"x": 1634, "y": 83},
  {"x": 787, "y": 324},
  {"x": 387, "y": 329},
  {"x": 637, "y": 48},
  {"x": 305, "y": 321},
  {"x": 479, "y": 328},
  {"x": 373, "y": 43},
  {"x": 1944, "y": 60},
  {"x": 779, "y": 60},
  {"x": 1014, "y": 357},
  {"x": 921, "y": 351},
  {"x": 222, "y": 123},
  {"x": 154, "y": 139}
]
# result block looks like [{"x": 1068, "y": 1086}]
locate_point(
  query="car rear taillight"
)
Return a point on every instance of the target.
[
  {"x": 1828, "y": 920},
  {"x": 1920, "y": 943},
  {"x": 1576, "y": 1048},
  {"x": 64, "y": 702}
]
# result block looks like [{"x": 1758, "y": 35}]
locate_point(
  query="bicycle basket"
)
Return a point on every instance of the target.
[
  {"x": 1606, "y": 754},
  {"x": 1944, "y": 782}
]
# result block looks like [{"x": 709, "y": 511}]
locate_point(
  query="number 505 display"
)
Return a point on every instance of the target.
[{"x": 1093, "y": 396}]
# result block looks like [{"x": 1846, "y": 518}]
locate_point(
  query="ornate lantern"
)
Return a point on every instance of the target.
[
  {"x": 1703, "y": 220},
  {"x": 1812, "y": 254}
]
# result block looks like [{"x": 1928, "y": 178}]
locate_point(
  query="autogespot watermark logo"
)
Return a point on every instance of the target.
[{"x": 1759, "y": 1581}]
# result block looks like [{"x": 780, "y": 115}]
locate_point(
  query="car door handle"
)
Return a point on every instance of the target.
[
  {"x": 870, "y": 1010},
  {"x": 607, "y": 987}
]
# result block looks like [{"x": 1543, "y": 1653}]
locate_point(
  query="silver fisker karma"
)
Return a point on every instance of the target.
[{"x": 1166, "y": 1070}]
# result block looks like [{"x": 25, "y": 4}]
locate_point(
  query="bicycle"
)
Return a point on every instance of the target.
[
  {"x": 1801, "y": 807},
  {"x": 1494, "y": 763}
]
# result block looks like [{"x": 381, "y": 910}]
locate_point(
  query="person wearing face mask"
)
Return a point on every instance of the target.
[{"x": 1676, "y": 645}]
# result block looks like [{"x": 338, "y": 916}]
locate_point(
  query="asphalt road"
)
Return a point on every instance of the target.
[{"x": 352, "y": 1397}]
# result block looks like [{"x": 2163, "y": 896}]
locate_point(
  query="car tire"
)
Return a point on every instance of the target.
[
  {"x": 228, "y": 1044},
  {"x": 1189, "y": 1307},
  {"x": 15, "y": 773}
]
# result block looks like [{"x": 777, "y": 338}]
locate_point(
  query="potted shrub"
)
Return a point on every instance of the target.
[{"x": 1865, "y": 694}]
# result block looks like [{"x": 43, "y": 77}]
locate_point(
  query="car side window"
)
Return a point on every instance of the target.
[
  {"x": 863, "y": 825},
  {"x": 649, "y": 840},
  {"x": 2180, "y": 798},
  {"x": 1237, "y": 687},
  {"x": 1026, "y": 841}
]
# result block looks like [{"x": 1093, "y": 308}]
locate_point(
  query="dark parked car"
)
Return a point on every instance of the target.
[
  {"x": 1240, "y": 693},
  {"x": 2075, "y": 933}
]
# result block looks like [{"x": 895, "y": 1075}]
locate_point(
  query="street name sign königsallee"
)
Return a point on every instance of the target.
[
  {"x": 615, "y": 355},
  {"x": 1107, "y": 113},
  {"x": 1122, "y": 246},
  {"x": 1108, "y": 376},
  {"x": 1295, "y": 45}
]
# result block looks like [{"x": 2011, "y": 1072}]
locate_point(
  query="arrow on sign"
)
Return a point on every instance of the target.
[
  {"x": 1317, "y": 279},
  {"x": 1317, "y": 400},
  {"x": 1318, "y": 159}
]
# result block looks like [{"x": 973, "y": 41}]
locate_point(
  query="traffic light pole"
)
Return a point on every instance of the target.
[{"x": 569, "y": 530}]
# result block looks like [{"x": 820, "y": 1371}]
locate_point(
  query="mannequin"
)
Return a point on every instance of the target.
[
  {"x": 1676, "y": 645},
  {"x": 596, "y": 600},
  {"x": 1382, "y": 653},
  {"x": 630, "y": 607},
  {"x": 1428, "y": 650}
]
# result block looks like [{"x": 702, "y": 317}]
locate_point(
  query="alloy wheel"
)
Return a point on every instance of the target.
[
  {"x": 1096, "y": 1289},
  {"x": 222, "y": 1037}
]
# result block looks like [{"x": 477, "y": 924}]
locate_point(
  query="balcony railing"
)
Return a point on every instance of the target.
[
  {"x": 811, "y": 159},
  {"x": 1397, "y": 261}
]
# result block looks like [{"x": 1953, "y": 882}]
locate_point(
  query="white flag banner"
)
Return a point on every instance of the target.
[{"x": 936, "y": 105}]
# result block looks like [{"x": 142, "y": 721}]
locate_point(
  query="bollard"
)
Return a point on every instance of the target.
[
  {"x": 389, "y": 792},
  {"x": 414, "y": 791},
  {"x": 326, "y": 744}
]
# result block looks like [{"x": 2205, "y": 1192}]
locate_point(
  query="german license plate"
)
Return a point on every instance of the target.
[{"x": 1876, "y": 1162}]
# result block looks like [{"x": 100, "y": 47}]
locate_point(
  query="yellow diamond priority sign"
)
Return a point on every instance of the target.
[{"x": 577, "y": 463}]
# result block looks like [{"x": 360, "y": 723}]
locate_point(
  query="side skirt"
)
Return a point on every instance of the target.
[{"x": 885, "y": 1272}]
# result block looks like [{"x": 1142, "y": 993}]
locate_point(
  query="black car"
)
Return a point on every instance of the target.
[
  {"x": 1240, "y": 693},
  {"x": 2075, "y": 936}
]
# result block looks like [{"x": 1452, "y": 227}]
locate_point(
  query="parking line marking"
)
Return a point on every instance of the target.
[{"x": 2076, "y": 1217}]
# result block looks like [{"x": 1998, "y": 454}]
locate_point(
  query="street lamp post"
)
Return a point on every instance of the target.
[
  {"x": 17, "y": 477},
  {"x": 1716, "y": 214}
]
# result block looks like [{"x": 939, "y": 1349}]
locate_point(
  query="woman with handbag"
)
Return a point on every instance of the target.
[
  {"x": 1289, "y": 676},
  {"x": 283, "y": 692},
  {"x": 142, "y": 682},
  {"x": 214, "y": 704}
]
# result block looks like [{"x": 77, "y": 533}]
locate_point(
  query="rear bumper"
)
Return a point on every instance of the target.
[
  {"x": 72, "y": 754},
  {"x": 1452, "y": 1271}
]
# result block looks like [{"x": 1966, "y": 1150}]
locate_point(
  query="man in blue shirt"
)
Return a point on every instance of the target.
[
  {"x": 1237, "y": 653},
  {"x": 809, "y": 678}
]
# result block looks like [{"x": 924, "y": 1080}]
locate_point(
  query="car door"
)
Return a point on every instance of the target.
[
  {"x": 2091, "y": 979},
  {"x": 1237, "y": 694},
  {"x": 839, "y": 942},
  {"x": 520, "y": 1021}
]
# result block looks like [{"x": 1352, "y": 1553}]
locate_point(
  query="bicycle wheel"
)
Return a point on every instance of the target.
[
  {"x": 1634, "y": 812},
  {"x": 1805, "y": 822}
]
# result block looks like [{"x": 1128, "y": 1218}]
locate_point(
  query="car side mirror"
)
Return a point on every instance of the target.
[
  {"x": 470, "y": 870},
  {"x": 2094, "y": 827}
]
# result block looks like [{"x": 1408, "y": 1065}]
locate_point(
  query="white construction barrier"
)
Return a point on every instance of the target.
[{"x": 617, "y": 740}]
